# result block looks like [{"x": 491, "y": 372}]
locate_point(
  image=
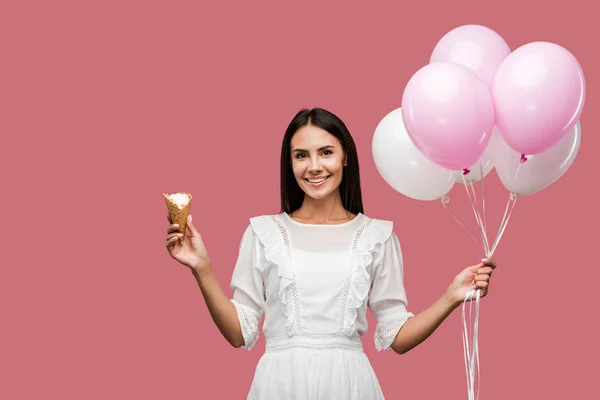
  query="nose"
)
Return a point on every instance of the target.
[{"x": 315, "y": 164}]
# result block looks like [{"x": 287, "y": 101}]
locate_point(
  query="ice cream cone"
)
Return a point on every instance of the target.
[{"x": 178, "y": 210}]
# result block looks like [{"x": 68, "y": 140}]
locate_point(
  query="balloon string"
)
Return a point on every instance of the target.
[
  {"x": 446, "y": 200},
  {"x": 477, "y": 217},
  {"x": 510, "y": 205},
  {"x": 471, "y": 344},
  {"x": 517, "y": 173},
  {"x": 479, "y": 213},
  {"x": 483, "y": 199},
  {"x": 475, "y": 205}
]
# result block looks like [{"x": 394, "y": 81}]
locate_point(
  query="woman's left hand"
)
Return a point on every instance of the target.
[{"x": 473, "y": 277}]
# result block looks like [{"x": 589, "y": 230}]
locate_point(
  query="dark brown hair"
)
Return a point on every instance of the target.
[{"x": 292, "y": 195}]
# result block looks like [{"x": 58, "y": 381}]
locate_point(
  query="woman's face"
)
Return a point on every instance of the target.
[{"x": 317, "y": 161}]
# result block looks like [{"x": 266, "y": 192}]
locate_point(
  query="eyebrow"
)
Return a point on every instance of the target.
[{"x": 319, "y": 149}]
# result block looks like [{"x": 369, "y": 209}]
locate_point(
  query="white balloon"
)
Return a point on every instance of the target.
[
  {"x": 402, "y": 165},
  {"x": 486, "y": 163},
  {"x": 540, "y": 170}
]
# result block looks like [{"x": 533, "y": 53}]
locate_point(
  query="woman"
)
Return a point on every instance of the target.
[{"x": 313, "y": 270}]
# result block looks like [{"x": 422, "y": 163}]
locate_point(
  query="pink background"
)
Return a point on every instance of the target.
[{"x": 106, "y": 106}]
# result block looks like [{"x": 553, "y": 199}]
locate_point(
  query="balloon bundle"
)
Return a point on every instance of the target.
[{"x": 479, "y": 106}]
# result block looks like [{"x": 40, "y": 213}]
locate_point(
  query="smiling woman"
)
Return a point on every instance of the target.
[
  {"x": 322, "y": 155},
  {"x": 310, "y": 167},
  {"x": 315, "y": 167},
  {"x": 313, "y": 270}
]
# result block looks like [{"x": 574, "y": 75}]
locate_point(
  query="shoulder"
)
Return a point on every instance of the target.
[
  {"x": 264, "y": 227},
  {"x": 261, "y": 222},
  {"x": 380, "y": 229}
]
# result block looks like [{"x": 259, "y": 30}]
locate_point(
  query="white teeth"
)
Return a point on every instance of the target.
[{"x": 316, "y": 180}]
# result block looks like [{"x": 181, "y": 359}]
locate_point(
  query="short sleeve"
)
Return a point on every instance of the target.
[
  {"x": 387, "y": 297},
  {"x": 247, "y": 286}
]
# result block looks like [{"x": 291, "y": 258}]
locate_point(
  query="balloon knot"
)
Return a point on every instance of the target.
[
  {"x": 466, "y": 171},
  {"x": 523, "y": 158}
]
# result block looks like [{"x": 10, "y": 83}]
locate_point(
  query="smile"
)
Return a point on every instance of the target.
[{"x": 316, "y": 182}]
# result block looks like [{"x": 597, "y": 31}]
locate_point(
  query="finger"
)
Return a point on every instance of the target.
[
  {"x": 489, "y": 262},
  {"x": 171, "y": 242},
  {"x": 173, "y": 228},
  {"x": 175, "y": 234},
  {"x": 475, "y": 268},
  {"x": 191, "y": 227},
  {"x": 482, "y": 277},
  {"x": 481, "y": 284},
  {"x": 485, "y": 270}
]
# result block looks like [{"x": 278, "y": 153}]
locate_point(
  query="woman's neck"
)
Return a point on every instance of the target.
[{"x": 322, "y": 211}]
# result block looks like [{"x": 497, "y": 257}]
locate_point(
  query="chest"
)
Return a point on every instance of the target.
[{"x": 317, "y": 272}]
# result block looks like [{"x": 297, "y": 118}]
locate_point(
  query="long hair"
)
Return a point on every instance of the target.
[{"x": 292, "y": 195}]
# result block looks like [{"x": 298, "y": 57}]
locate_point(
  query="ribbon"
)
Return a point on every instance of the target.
[
  {"x": 471, "y": 340},
  {"x": 471, "y": 344}
]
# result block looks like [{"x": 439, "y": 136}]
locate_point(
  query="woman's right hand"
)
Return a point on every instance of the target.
[{"x": 188, "y": 249}]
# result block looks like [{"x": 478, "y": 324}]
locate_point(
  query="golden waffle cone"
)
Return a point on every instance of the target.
[{"x": 179, "y": 216}]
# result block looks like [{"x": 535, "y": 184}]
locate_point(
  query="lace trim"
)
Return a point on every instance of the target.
[
  {"x": 383, "y": 339},
  {"x": 278, "y": 250},
  {"x": 354, "y": 290},
  {"x": 249, "y": 328},
  {"x": 314, "y": 342},
  {"x": 294, "y": 320}
]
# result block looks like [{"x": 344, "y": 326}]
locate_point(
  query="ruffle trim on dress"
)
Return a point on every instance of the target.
[
  {"x": 276, "y": 242},
  {"x": 371, "y": 234}
]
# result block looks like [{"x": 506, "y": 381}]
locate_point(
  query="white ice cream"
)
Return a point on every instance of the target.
[{"x": 180, "y": 199}]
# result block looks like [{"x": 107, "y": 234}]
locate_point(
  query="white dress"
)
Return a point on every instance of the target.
[{"x": 313, "y": 283}]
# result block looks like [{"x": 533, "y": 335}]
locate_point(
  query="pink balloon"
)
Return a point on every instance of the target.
[
  {"x": 539, "y": 93},
  {"x": 448, "y": 114},
  {"x": 475, "y": 47}
]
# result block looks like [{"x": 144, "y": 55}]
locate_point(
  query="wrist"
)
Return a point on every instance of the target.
[
  {"x": 201, "y": 268},
  {"x": 451, "y": 299}
]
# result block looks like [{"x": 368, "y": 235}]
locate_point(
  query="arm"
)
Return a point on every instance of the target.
[
  {"x": 419, "y": 327},
  {"x": 237, "y": 318},
  {"x": 221, "y": 309},
  {"x": 397, "y": 328}
]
